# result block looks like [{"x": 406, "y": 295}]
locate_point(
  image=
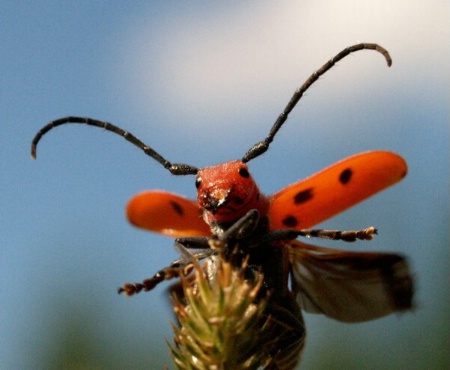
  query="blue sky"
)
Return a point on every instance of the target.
[{"x": 201, "y": 83}]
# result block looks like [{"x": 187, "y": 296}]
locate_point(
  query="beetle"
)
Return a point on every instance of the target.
[{"x": 231, "y": 219}]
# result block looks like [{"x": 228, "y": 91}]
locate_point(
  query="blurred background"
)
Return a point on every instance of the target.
[{"x": 201, "y": 82}]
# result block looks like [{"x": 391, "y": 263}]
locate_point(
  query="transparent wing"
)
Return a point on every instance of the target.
[{"x": 349, "y": 286}]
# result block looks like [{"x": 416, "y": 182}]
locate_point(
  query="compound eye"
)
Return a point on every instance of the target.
[
  {"x": 198, "y": 181},
  {"x": 243, "y": 172}
]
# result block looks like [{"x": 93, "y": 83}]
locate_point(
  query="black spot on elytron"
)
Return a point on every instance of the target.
[
  {"x": 303, "y": 196},
  {"x": 290, "y": 221},
  {"x": 177, "y": 208},
  {"x": 243, "y": 172},
  {"x": 345, "y": 176}
]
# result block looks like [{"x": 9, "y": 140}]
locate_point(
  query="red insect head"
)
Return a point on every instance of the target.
[{"x": 226, "y": 192}]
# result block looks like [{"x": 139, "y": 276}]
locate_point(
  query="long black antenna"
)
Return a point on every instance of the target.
[
  {"x": 261, "y": 147},
  {"x": 175, "y": 168}
]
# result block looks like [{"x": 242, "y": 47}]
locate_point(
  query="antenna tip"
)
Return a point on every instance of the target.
[{"x": 385, "y": 53}]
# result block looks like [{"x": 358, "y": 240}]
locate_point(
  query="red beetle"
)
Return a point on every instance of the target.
[{"x": 230, "y": 209}]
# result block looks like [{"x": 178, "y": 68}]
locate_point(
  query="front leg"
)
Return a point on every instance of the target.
[
  {"x": 166, "y": 273},
  {"x": 242, "y": 229},
  {"x": 181, "y": 266},
  {"x": 347, "y": 236}
]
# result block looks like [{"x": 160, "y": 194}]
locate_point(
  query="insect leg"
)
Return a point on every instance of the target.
[
  {"x": 242, "y": 228},
  {"x": 182, "y": 266},
  {"x": 182, "y": 245},
  {"x": 347, "y": 236},
  {"x": 194, "y": 242},
  {"x": 166, "y": 273}
]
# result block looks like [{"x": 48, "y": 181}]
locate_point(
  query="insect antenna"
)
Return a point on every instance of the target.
[
  {"x": 174, "y": 168},
  {"x": 262, "y": 146}
]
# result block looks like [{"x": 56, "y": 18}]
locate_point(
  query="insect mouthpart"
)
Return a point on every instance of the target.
[{"x": 215, "y": 200}]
